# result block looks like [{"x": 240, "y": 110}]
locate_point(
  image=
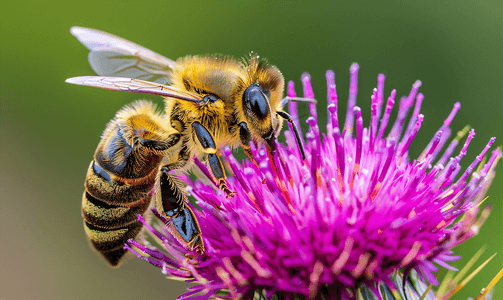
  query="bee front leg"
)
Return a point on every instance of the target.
[
  {"x": 245, "y": 138},
  {"x": 173, "y": 202},
  {"x": 208, "y": 144}
]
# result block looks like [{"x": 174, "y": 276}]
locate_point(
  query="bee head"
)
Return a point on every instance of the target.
[
  {"x": 257, "y": 109},
  {"x": 261, "y": 99}
]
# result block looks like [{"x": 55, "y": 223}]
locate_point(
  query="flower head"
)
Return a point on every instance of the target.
[{"x": 357, "y": 209}]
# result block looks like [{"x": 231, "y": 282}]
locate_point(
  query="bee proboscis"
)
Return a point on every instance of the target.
[{"x": 211, "y": 101}]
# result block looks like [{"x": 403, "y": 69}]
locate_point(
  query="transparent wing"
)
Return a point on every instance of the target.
[
  {"x": 114, "y": 56},
  {"x": 131, "y": 85}
]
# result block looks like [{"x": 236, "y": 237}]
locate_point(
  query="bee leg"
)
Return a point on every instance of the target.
[
  {"x": 271, "y": 152},
  {"x": 184, "y": 226},
  {"x": 218, "y": 171},
  {"x": 245, "y": 139},
  {"x": 207, "y": 142},
  {"x": 187, "y": 228}
]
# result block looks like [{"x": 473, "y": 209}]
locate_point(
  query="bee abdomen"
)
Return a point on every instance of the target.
[
  {"x": 108, "y": 216},
  {"x": 110, "y": 243},
  {"x": 114, "y": 192},
  {"x": 110, "y": 210}
]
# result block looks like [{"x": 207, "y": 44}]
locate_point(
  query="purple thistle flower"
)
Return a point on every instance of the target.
[{"x": 350, "y": 215}]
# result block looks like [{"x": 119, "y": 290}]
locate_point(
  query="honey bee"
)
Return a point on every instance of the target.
[{"x": 211, "y": 101}]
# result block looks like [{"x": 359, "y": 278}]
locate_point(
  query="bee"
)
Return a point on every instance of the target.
[{"x": 210, "y": 102}]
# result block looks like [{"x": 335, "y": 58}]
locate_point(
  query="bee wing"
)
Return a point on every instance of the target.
[
  {"x": 132, "y": 85},
  {"x": 114, "y": 56}
]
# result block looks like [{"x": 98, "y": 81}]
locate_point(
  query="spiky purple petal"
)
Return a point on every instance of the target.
[{"x": 356, "y": 210}]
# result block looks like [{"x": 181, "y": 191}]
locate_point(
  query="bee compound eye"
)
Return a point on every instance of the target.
[
  {"x": 210, "y": 98},
  {"x": 267, "y": 92},
  {"x": 254, "y": 99}
]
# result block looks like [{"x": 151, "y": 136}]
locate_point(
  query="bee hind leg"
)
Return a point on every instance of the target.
[{"x": 172, "y": 201}]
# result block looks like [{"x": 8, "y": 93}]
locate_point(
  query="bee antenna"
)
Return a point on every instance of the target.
[
  {"x": 287, "y": 117},
  {"x": 285, "y": 100}
]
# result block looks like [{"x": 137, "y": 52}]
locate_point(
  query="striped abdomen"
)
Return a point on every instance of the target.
[
  {"x": 110, "y": 210},
  {"x": 122, "y": 178}
]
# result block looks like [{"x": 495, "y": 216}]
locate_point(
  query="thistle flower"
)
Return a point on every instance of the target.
[{"x": 340, "y": 223}]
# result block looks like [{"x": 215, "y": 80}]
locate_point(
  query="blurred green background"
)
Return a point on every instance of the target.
[{"x": 49, "y": 129}]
